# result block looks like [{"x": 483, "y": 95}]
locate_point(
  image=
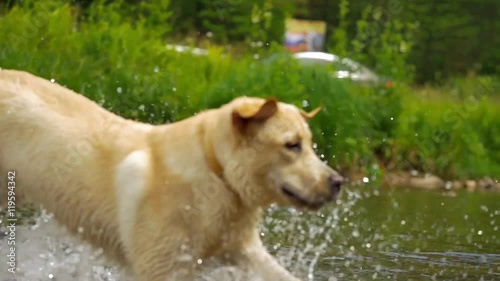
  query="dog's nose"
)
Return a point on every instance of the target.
[{"x": 335, "y": 182}]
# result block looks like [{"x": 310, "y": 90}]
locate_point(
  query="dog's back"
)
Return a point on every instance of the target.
[{"x": 52, "y": 138}]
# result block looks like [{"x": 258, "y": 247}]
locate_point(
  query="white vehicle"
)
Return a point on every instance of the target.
[
  {"x": 183, "y": 49},
  {"x": 343, "y": 68}
]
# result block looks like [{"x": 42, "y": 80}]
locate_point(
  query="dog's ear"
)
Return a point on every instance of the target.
[
  {"x": 310, "y": 115},
  {"x": 247, "y": 112}
]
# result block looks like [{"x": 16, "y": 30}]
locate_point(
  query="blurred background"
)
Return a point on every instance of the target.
[
  {"x": 411, "y": 97},
  {"x": 407, "y": 85}
]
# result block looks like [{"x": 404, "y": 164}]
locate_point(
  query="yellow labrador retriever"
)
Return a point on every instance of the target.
[{"x": 161, "y": 199}]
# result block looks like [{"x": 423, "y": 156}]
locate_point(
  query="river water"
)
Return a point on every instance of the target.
[{"x": 370, "y": 234}]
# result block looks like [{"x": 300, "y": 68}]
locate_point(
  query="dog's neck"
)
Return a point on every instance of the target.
[
  {"x": 210, "y": 134},
  {"x": 216, "y": 146},
  {"x": 212, "y": 160}
]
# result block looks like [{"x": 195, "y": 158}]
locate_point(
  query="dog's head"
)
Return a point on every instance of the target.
[{"x": 275, "y": 149}]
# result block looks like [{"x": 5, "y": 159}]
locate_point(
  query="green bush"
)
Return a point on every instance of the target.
[
  {"x": 122, "y": 63},
  {"x": 451, "y": 136},
  {"x": 379, "y": 40}
]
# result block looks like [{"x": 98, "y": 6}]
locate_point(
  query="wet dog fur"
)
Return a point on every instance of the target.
[{"x": 160, "y": 198}]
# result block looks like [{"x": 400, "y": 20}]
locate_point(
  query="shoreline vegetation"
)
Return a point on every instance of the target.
[
  {"x": 413, "y": 179},
  {"x": 391, "y": 135}
]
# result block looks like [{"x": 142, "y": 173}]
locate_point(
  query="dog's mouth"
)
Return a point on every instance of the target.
[{"x": 299, "y": 200}]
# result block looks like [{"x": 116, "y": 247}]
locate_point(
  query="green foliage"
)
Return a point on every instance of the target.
[
  {"x": 227, "y": 19},
  {"x": 445, "y": 38},
  {"x": 122, "y": 63},
  {"x": 340, "y": 39},
  {"x": 451, "y": 136},
  {"x": 454, "y": 37},
  {"x": 234, "y": 20},
  {"x": 420, "y": 40},
  {"x": 380, "y": 40}
]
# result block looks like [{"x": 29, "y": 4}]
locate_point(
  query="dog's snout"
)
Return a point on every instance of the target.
[{"x": 335, "y": 182}]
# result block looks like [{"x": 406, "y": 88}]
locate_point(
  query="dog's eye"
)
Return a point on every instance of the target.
[{"x": 294, "y": 146}]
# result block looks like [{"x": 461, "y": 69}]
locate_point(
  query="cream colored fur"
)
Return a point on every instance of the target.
[{"x": 161, "y": 199}]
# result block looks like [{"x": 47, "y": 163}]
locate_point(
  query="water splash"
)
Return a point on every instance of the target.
[{"x": 370, "y": 234}]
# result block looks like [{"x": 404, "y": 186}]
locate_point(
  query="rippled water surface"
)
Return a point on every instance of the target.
[{"x": 372, "y": 234}]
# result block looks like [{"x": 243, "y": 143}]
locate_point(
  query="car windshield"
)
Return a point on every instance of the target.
[
  {"x": 335, "y": 65},
  {"x": 340, "y": 66}
]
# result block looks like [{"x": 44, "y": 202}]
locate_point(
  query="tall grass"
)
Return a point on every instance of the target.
[
  {"x": 457, "y": 134},
  {"x": 122, "y": 63}
]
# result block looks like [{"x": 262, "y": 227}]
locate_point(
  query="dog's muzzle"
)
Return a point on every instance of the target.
[{"x": 334, "y": 187}]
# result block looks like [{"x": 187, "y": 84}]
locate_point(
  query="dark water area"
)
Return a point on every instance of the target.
[
  {"x": 392, "y": 234},
  {"x": 370, "y": 234}
]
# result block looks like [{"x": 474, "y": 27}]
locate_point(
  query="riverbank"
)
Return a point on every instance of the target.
[{"x": 425, "y": 181}]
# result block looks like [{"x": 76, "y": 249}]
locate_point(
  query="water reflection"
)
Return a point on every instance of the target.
[
  {"x": 371, "y": 234},
  {"x": 405, "y": 235}
]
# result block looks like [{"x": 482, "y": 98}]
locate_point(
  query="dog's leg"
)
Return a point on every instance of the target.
[
  {"x": 153, "y": 251},
  {"x": 256, "y": 259},
  {"x": 159, "y": 259},
  {"x": 263, "y": 263}
]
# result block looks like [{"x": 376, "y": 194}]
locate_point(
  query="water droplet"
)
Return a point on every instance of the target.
[
  {"x": 365, "y": 179},
  {"x": 199, "y": 261},
  {"x": 51, "y": 276}
]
